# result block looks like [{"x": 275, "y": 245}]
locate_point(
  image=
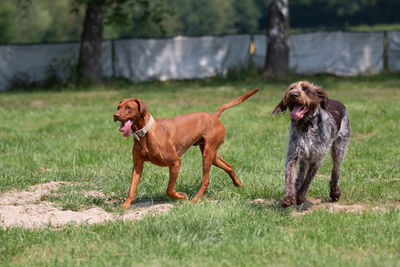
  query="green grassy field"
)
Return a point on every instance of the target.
[
  {"x": 70, "y": 136},
  {"x": 355, "y": 28}
]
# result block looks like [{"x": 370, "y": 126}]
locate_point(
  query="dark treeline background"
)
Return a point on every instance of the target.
[{"x": 52, "y": 20}]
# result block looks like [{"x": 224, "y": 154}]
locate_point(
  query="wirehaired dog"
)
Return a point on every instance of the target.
[
  {"x": 317, "y": 124},
  {"x": 163, "y": 141}
]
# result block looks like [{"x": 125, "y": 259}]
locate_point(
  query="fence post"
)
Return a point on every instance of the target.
[
  {"x": 385, "y": 51},
  {"x": 113, "y": 57}
]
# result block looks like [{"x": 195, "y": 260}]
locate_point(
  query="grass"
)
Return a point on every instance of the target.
[
  {"x": 70, "y": 136},
  {"x": 352, "y": 28}
]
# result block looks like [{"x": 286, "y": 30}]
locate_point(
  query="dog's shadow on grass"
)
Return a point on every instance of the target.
[
  {"x": 274, "y": 205},
  {"x": 140, "y": 202}
]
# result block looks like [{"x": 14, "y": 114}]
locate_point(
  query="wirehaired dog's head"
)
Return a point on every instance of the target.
[{"x": 302, "y": 98}]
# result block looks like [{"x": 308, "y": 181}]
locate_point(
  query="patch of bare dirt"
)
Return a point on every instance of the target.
[
  {"x": 25, "y": 209},
  {"x": 361, "y": 136},
  {"x": 37, "y": 103},
  {"x": 34, "y": 194},
  {"x": 312, "y": 204}
]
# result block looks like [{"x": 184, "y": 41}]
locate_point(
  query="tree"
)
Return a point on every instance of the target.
[
  {"x": 89, "y": 63},
  {"x": 277, "y": 60},
  {"x": 110, "y": 11}
]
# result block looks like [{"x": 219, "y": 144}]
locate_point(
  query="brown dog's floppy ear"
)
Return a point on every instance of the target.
[
  {"x": 322, "y": 97},
  {"x": 141, "y": 107},
  {"x": 281, "y": 107}
]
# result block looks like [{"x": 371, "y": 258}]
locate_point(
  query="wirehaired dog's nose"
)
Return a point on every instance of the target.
[
  {"x": 116, "y": 117},
  {"x": 294, "y": 95}
]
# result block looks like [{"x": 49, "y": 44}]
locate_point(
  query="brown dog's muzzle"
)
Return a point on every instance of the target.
[{"x": 116, "y": 117}]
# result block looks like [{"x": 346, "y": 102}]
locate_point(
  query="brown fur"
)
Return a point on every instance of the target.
[{"x": 168, "y": 139}]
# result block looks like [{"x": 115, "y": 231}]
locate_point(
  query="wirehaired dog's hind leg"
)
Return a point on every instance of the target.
[{"x": 337, "y": 152}]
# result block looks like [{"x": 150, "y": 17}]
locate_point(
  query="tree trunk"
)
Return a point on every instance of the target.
[
  {"x": 277, "y": 60},
  {"x": 89, "y": 65}
]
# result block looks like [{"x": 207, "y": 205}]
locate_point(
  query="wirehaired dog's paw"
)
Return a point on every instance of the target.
[
  {"x": 300, "y": 200},
  {"x": 288, "y": 201},
  {"x": 335, "y": 194}
]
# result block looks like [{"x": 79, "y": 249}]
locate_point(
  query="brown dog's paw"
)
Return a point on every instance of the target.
[
  {"x": 127, "y": 203},
  {"x": 196, "y": 200},
  {"x": 177, "y": 195},
  {"x": 288, "y": 201},
  {"x": 238, "y": 184}
]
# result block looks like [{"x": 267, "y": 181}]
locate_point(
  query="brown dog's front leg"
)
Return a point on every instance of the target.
[
  {"x": 136, "y": 174},
  {"x": 173, "y": 175}
]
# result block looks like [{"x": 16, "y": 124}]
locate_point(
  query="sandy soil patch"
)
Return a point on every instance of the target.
[
  {"x": 25, "y": 209},
  {"x": 312, "y": 204}
]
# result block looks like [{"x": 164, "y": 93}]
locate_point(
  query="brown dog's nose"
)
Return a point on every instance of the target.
[
  {"x": 294, "y": 95},
  {"x": 116, "y": 117}
]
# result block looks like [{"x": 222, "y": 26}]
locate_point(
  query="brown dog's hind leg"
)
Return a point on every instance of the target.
[
  {"x": 209, "y": 154},
  {"x": 173, "y": 175},
  {"x": 221, "y": 163}
]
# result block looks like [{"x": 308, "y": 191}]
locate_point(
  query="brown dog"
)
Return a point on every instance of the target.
[{"x": 163, "y": 141}]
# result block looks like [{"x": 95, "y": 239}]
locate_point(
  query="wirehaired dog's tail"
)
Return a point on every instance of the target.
[{"x": 235, "y": 102}]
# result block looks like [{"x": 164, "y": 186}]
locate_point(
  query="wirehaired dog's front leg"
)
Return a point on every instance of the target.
[
  {"x": 290, "y": 192},
  {"x": 300, "y": 174},
  {"x": 302, "y": 191}
]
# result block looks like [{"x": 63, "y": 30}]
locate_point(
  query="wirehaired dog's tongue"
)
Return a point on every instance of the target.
[
  {"x": 298, "y": 112},
  {"x": 125, "y": 128}
]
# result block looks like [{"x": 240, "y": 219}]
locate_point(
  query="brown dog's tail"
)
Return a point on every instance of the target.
[{"x": 235, "y": 102}]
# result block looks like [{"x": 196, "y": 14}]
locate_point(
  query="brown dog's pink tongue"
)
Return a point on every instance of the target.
[
  {"x": 298, "y": 112},
  {"x": 126, "y": 130}
]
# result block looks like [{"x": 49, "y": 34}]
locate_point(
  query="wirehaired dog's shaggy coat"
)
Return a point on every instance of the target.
[{"x": 317, "y": 124}]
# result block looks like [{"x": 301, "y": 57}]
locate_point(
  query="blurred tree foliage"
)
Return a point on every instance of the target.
[
  {"x": 43, "y": 21},
  {"x": 53, "y": 21}
]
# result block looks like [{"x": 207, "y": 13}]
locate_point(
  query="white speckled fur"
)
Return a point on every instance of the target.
[{"x": 309, "y": 142}]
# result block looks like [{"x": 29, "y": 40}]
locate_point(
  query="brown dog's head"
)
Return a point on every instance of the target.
[
  {"x": 302, "y": 98},
  {"x": 128, "y": 113}
]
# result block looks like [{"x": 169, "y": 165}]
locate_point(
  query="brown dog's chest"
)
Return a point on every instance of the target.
[{"x": 149, "y": 153}]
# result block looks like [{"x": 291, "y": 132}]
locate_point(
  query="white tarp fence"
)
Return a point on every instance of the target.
[
  {"x": 180, "y": 57},
  {"x": 339, "y": 53},
  {"x": 394, "y": 51},
  {"x": 34, "y": 63}
]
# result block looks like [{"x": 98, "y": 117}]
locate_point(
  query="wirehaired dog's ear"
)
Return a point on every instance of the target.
[
  {"x": 142, "y": 107},
  {"x": 322, "y": 97},
  {"x": 281, "y": 107}
]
